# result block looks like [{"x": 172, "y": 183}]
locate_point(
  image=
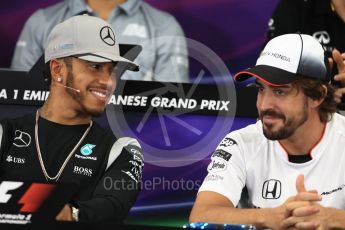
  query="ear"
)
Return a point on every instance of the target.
[
  {"x": 314, "y": 103},
  {"x": 55, "y": 68}
]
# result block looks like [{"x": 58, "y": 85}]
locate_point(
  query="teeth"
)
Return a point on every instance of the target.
[{"x": 99, "y": 94}]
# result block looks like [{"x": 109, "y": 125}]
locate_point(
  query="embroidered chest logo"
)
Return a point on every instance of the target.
[
  {"x": 86, "y": 151},
  {"x": 271, "y": 189},
  {"x": 82, "y": 171},
  {"x": 16, "y": 160},
  {"x": 21, "y": 139}
]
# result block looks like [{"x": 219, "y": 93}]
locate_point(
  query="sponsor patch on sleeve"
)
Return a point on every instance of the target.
[
  {"x": 137, "y": 162},
  {"x": 222, "y": 154},
  {"x": 217, "y": 165},
  {"x": 226, "y": 142}
]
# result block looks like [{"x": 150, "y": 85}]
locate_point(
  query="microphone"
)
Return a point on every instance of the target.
[{"x": 61, "y": 85}]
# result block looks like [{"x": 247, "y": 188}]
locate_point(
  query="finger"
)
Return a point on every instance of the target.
[
  {"x": 290, "y": 222},
  {"x": 337, "y": 99},
  {"x": 307, "y": 196},
  {"x": 330, "y": 62},
  {"x": 300, "y": 183},
  {"x": 299, "y": 223},
  {"x": 59, "y": 216},
  {"x": 338, "y": 59},
  {"x": 308, "y": 225},
  {"x": 343, "y": 55},
  {"x": 297, "y": 204},
  {"x": 339, "y": 77},
  {"x": 305, "y": 211},
  {"x": 340, "y": 91}
]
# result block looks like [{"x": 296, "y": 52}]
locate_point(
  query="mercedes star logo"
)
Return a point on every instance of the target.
[
  {"x": 21, "y": 139},
  {"x": 107, "y": 35}
]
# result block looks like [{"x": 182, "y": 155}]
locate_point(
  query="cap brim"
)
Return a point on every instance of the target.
[
  {"x": 269, "y": 75},
  {"x": 101, "y": 58}
]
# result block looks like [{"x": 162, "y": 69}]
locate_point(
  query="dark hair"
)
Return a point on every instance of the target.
[{"x": 314, "y": 89}]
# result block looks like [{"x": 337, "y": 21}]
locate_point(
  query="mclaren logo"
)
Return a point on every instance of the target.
[
  {"x": 322, "y": 36},
  {"x": 107, "y": 35},
  {"x": 271, "y": 189},
  {"x": 21, "y": 139}
]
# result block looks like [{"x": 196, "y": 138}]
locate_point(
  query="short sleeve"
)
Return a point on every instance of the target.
[{"x": 226, "y": 171}]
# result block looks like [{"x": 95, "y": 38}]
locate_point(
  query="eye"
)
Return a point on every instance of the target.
[
  {"x": 95, "y": 66},
  {"x": 279, "y": 92},
  {"x": 260, "y": 88}
]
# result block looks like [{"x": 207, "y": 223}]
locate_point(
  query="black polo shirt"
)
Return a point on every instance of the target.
[{"x": 107, "y": 170}]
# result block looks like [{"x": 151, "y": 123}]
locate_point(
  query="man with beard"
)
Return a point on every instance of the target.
[
  {"x": 290, "y": 163},
  {"x": 60, "y": 142}
]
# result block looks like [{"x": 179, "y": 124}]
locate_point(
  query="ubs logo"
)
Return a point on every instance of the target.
[
  {"x": 271, "y": 189},
  {"x": 16, "y": 160},
  {"x": 322, "y": 36}
]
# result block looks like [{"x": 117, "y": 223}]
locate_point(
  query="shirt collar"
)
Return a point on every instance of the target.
[
  {"x": 76, "y": 6},
  {"x": 130, "y": 7}
]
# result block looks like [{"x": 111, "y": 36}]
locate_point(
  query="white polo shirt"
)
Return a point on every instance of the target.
[{"x": 245, "y": 158}]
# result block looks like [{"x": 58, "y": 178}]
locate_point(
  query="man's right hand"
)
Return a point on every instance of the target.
[
  {"x": 304, "y": 203},
  {"x": 304, "y": 208}
]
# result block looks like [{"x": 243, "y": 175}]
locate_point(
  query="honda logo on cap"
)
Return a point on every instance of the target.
[{"x": 271, "y": 189}]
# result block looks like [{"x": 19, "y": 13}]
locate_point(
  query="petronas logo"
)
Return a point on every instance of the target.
[{"x": 87, "y": 149}]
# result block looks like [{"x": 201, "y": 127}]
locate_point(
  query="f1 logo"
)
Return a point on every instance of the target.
[
  {"x": 6, "y": 186},
  {"x": 271, "y": 189},
  {"x": 31, "y": 199}
]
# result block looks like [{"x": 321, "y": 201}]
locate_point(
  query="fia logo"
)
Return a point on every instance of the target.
[{"x": 87, "y": 149}]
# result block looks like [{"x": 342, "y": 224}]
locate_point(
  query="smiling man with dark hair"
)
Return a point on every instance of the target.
[
  {"x": 297, "y": 143},
  {"x": 65, "y": 144}
]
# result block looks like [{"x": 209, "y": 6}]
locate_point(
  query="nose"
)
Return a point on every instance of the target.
[
  {"x": 265, "y": 100},
  {"x": 108, "y": 78}
]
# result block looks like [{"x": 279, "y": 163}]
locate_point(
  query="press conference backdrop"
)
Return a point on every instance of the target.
[
  {"x": 178, "y": 137},
  {"x": 233, "y": 29}
]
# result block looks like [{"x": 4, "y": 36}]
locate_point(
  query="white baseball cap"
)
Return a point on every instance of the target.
[
  {"x": 288, "y": 57},
  {"x": 86, "y": 37}
]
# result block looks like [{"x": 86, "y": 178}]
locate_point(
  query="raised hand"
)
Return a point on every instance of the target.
[{"x": 338, "y": 58}]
